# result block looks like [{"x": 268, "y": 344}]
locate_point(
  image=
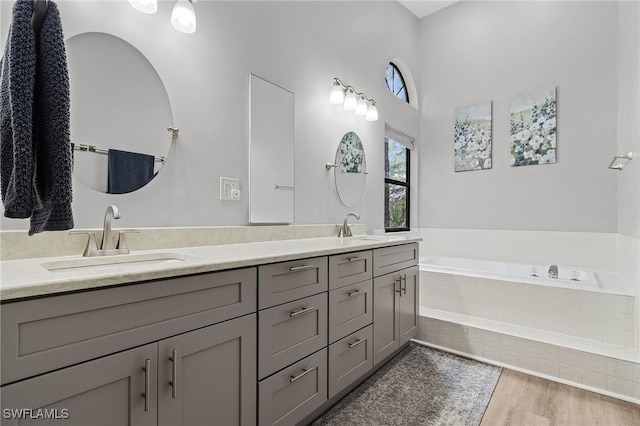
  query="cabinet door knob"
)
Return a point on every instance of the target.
[
  {"x": 304, "y": 372},
  {"x": 174, "y": 373},
  {"x": 147, "y": 384}
]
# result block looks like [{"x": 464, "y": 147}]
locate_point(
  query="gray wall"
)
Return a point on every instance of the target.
[
  {"x": 629, "y": 117},
  {"x": 479, "y": 51},
  {"x": 298, "y": 45}
]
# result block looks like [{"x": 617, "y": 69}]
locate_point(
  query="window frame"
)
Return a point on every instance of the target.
[
  {"x": 397, "y": 71},
  {"x": 406, "y": 184}
]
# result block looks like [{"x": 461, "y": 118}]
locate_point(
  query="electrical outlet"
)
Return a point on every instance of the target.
[{"x": 229, "y": 189}]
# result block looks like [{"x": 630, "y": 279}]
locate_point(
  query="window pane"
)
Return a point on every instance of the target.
[
  {"x": 396, "y": 209},
  {"x": 395, "y": 161}
]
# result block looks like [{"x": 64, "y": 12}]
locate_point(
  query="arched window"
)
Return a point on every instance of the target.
[{"x": 395, "y": 82}]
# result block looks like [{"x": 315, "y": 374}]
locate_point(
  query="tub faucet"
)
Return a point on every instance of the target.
[
  {"x": 345, "y": 230},
  {"x": 553, "y": 271},
  {"x": 112, "y": 212}
]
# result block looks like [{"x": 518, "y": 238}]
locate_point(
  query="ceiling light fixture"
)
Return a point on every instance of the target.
[{"x": 353, "y": 100}]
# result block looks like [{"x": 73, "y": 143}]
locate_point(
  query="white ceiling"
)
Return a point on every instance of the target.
[{"x": 422, "y": 8}]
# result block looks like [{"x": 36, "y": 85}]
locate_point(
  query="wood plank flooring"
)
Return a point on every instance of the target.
[{"x": 523, "y": 400}]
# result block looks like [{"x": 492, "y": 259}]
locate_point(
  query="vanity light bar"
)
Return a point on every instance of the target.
[{"x": 353, "y": 100}]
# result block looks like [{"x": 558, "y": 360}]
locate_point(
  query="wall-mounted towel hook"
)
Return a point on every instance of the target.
[{"x": 624, "y": 157}]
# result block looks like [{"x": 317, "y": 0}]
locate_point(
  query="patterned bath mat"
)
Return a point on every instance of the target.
[{"x": 420, "y": 386}]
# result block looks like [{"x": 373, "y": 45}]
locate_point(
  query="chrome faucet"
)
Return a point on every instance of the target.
[
  {"x": 107, "y": 238},
  {"x": 345, "y": 230},
  {"x": 107, "y": 246},
  {"x": 553, "y": 271}
]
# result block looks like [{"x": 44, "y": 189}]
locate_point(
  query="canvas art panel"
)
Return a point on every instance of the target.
[
  {"x": 472, "y": 137},
  {"x": 533, "y": 128}
]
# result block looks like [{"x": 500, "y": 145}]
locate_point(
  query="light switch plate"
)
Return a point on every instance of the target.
[{"x": 229, "y": 188}]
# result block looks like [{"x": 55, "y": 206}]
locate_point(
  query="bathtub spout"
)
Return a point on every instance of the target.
[{"x": 553, "y": 271}]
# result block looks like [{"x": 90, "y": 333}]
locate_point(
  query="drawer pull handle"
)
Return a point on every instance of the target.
[
  {"x": 302, "y": 311},
  {"x": 174, "y": 373},
  {"x": 147, "y": 384},
  {"x": 353, "y": 259},
  {"x": 403, "y": 282},
  {"x": 302, "y": 268},
  {"x": 304, "y": 372},
  {"x": 356, "y": 293},
  {"x": 356, "y": 343},
  {"x": 399, "y": 281}
]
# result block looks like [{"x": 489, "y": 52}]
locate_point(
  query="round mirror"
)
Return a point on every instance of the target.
[
  {"x": 351, "y": 169},
  {"x": 120, "y": 112}
]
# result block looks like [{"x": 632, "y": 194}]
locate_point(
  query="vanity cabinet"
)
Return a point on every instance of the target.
[
  {"x": 395, "y": 310},
  {"x": 193, "y": 356}
]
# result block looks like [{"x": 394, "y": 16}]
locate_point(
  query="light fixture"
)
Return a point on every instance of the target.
[
  {"x": 372, "y": 111},
  {"x": 352, "y": 100},
  {"x": 183, "y": 17},
  {"x": 337, "y": 93},
  {"x": 145, "y": 6},
  {"x": 361, "y": 106}
]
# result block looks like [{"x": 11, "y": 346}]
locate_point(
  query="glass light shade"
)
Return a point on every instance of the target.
[
  {"x": 361, "y": 106},
  {"x": 183, "y": 17},
  {"x": 337, "y": 94},
  {"x": 350, "y": 100},
  {"x": 145, "y": 6},
  {"x": 372, "y": 112}
]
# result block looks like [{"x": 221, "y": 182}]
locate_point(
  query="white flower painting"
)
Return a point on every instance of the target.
[
  {"x": 533, "y": 128},
  {"x": 472, "y": 137},
  {"x": 351, "y": 154}
]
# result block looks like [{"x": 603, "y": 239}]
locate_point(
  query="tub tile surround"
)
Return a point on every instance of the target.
[
  {"x": 18, "y": 245},
  {"x": 608, "y": 318},
  {"x": 603, "y": 374}
]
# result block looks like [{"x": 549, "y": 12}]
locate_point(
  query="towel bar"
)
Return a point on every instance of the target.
[
  {"x": 628, "y": 156},
  {"x": 97, "y": 150}
]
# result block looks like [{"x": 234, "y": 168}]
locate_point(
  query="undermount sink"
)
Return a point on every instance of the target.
[{"x": 123, "y": 261}]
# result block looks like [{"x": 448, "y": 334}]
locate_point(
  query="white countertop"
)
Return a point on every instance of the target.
[{"x": 29, "y": 278}]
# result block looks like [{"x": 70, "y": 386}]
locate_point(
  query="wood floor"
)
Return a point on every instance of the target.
[{"x": 523, "y": 400}]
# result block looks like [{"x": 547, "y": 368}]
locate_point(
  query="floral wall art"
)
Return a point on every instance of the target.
[
  {"x": 472, "y": 137},
  {"x": 533, "y": 128}
]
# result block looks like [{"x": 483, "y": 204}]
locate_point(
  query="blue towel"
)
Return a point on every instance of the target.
[
  {"x": 35, "y": 145},
  {"x": 128, "y": 171}
]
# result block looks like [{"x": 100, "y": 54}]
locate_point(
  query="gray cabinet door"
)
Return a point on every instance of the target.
[
  {"x": 350, "y": 309},
  {"x": 293, "y": 393},
  {"x": 386, "y": 303},
  {"x": 108, "y": 391},
  {"x": 286, "y": 281},
  {"x": 210, "y": 378},
  {"x": 409, "y": 306},
  {"x": 291, "y": 331},
  {"x": 349, "y": 268},
  {"x": 349, "y": 359},
  {"x": 390, "y": 259}
]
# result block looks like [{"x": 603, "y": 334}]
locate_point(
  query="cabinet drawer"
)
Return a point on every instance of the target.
[
  {"x": 291, "y": 331},
  {"x": 349, "y": 359},
  {"x": 394, "y": 258},
  {"x": 286, "y": 281},
  {"x": 290, "y": 395},
  {"x": 349, "y": 268},
  {"x": 46, "y": 334},
  {"x": 350, "y": 309}
]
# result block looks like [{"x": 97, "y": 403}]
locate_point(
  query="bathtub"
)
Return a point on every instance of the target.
[
  {"x": 575, "y": 304},
  {"x": 519, "y": 272}
]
